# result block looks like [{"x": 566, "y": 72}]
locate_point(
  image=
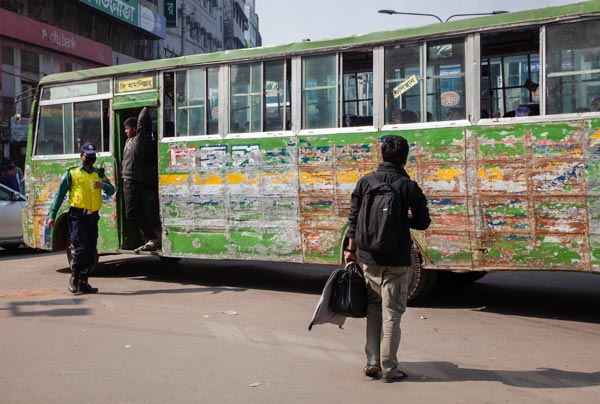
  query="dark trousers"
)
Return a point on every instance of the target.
[
  {"x": 84, "y": 235},
  {"x": 137, "y": 208}
]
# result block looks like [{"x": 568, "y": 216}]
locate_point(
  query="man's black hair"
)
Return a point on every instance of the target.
[
  {"x": 394, "y": 149},
  {"x": 131, "y": 122}
]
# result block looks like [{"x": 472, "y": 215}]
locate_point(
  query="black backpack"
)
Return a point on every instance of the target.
[
  {"x": 349, "y": 292},
  {"x": 380, "y": 219}
]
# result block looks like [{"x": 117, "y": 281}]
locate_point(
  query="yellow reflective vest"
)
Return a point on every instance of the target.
[{"x": 82, "y": 193}]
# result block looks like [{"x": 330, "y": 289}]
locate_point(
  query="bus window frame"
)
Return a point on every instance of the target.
[
  {"x": 221, "y": 126},
  {"x": 541, "y": 86},
  {"x": 470, "y": 103},
  {"x": 71, "y": 100},
  {"x": 226, "y": 113},
  {"x": 554, "y": 74},
  {"x": 298, "y": 113}
]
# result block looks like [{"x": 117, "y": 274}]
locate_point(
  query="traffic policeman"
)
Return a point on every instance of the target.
[{"x": 85, "y": 184}]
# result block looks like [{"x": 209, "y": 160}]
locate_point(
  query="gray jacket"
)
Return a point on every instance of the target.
[{"x": 135, "y": 154}]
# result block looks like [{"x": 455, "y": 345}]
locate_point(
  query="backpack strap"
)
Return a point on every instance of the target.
[{"x": 373, "y": 181}]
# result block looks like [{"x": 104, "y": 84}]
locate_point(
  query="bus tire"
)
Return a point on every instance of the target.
[
  {"x": 460, "y": 278},
  {"x": 421, "y": 280}
]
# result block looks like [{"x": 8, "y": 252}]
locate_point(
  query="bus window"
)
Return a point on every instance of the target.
[
  {"x": 50, "y": 136},
  {"x": 276, "y": 103},
  {"x": 446, "y": 80},
  {"x": 319, "y": 91},
  {"x": 260, "y": 96},
  {"x": 246, "y": 98},
  {"x": 65, "y": 127},
  {"x": 88, "y": 125},
  {"x": 168, "y": 104},
  {"x": 357, "y": 104},
  {"x": 403, "y": 83},
  {"x": 196, "y": 102},
  {"x": 510, "y": 73},
  {"x": 573, "y": 66}
]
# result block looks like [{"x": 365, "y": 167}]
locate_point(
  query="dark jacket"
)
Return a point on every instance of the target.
[
  {"x": 414, "y": 200},
  {"x": 135, "y": 154},
  {"x": 144, "y": 128}
]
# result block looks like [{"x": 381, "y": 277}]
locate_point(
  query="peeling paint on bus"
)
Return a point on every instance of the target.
[{"x": 523, "y": 196}]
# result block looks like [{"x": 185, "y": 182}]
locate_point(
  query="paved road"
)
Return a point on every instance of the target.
[{"x": 234, "y": 332}]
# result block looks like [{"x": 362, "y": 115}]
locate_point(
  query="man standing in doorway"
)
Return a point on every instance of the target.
[
  {"x": 387, "y": 271},
  {"x": 136, "y": 179},
  {"x": 85, "y": 184},
  {"x": 152, "y": 206}
]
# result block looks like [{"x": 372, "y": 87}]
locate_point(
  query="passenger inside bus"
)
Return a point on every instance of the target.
[
  {"x": 353, "y": 120},
  {"x": 405, "y": 116},
  {"x": 510, "y": 73}
]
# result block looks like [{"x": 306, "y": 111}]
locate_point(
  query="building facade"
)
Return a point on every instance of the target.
[{"x": 40, "y": 37}]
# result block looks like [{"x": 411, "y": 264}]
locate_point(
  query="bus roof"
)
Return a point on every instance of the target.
[{"x": 536, "y": 16}]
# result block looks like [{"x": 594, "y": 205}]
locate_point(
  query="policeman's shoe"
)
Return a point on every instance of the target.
[
  {"x": 73, "y": 283},
  {"x": 85, "y": 287}
]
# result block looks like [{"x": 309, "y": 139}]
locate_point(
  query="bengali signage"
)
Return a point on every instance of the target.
[
  {"x": 171, "y": 13},
  {"x": 405, "y": 85},
  {"x": 450, "y": 99},
  {"x": 137, "y": 84},
  {"x": 132, "y": 13}
]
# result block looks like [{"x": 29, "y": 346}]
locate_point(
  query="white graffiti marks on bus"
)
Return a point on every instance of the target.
[
  {"x": 189, "y": 157},
  {"x": 213, "y": 156},
  {"x": 246, "y": 155},
  {"x": 182, "y": 157}
]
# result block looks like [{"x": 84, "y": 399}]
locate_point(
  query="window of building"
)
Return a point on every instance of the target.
[
  {"x": 573, "y": 67},
  {"x": 30, "y": 63},
  {"x": 8, "y": 55}
]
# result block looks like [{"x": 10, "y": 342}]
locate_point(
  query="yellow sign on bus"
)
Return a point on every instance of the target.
[{"x": 140, "y": 84}]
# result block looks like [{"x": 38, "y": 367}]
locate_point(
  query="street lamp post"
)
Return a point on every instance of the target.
[{"x": 390, "y": 12}]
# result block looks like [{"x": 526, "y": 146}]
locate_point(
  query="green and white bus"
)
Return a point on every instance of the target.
[{"x": 259, "y": 149}]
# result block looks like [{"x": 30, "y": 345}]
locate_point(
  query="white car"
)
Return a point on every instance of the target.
[{"x": 11, "y": 205}]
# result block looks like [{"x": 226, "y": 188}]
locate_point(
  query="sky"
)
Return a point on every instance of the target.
[{"x": 285, "y": 21}]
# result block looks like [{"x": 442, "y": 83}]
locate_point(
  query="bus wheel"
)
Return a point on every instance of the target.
[
  {"x": 69, "y": 251},
  {"x": 460, "y": 278},
  {"x": 422, "y": 280}
]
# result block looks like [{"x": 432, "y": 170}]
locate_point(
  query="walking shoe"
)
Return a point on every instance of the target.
[
  {"x": 73, "y": 283},
  {"x": 85, "y": 287},
  {"x": 372, "y": 370},
  {"x": 394, "y": 376}
]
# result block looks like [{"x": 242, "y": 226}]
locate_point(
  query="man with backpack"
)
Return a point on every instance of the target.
[{"x": 386, "y": 204}]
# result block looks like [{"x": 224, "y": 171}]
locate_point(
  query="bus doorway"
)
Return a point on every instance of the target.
[{"x": 138, "y": 213}]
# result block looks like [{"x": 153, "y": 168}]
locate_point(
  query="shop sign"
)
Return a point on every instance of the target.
[{"x": 132, "y": 13}]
